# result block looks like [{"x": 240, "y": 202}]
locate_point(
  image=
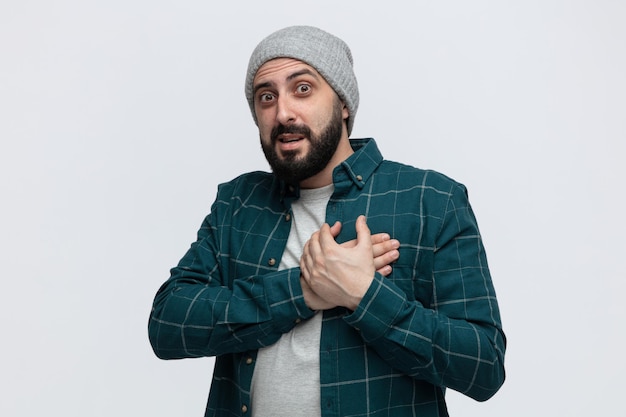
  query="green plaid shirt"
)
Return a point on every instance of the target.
[{"x": 433, "y": 323}]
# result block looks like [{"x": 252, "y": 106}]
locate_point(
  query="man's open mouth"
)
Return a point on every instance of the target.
[{"x": 290, "y": 138}]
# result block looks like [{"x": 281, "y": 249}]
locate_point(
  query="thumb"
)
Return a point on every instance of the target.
[
  {"x": 335, "y": 229},
  {"x": 363, "y": 234}
]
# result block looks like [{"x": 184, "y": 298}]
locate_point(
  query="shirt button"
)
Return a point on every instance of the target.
[
  {"x": 271, "y": 262},
  {"x": 287, "y": 217},
  {"x": 244, "y": 408},
  {"x": 359, "y": 178},
  {"x": 249, "y": 361},
  {"x": 298, "y": 321}
]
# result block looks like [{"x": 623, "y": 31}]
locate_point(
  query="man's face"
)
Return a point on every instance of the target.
[{"x": 300, "y": 118}]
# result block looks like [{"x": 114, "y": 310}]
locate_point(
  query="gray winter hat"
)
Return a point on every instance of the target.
[{"x": 329, "y": 55}]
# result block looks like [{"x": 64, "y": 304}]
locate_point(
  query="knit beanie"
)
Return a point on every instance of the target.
[{"x": 329, "y": 55}]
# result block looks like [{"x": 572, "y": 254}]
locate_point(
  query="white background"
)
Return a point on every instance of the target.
[{"x": 119, "y": 118}]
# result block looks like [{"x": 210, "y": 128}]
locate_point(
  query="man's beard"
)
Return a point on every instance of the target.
[{"x": 293, "y": 169}]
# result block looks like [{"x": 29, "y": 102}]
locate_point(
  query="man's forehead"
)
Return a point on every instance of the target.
[{"x": 283, "y": 65}]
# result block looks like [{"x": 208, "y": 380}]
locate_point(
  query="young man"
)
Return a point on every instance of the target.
[{"x": 307, "y": 312}]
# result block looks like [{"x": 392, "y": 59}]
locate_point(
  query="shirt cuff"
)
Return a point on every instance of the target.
[
  {"x": 378, "y": 310},
  {"x": 285, "y": 298}
]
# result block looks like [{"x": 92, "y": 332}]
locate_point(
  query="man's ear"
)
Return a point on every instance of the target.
[{"x": 345, "y": 113}]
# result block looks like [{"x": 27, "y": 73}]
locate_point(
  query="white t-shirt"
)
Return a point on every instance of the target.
[{"x": 286, "y": 380}]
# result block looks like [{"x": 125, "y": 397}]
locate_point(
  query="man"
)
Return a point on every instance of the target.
[{"x": 341, "y": 284}]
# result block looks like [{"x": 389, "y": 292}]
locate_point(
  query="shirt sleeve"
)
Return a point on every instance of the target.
[
  {"x": 198, "y": 312},
  {"x": 457, "y": 340}
]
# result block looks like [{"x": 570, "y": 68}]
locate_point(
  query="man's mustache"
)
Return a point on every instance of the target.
[{"x": 293, "y": 129}]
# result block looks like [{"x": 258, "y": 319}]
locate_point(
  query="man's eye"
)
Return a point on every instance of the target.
[
  {"x": 303, "y": 88},
  {"x": 265, "y": 97}
]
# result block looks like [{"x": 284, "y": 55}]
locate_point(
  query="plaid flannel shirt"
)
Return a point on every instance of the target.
[{"x": 433, "y": 323}]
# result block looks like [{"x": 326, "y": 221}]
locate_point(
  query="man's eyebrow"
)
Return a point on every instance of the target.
[
  {"x": 296, "y": 74},
  {"x": 262, "y": 85},
  {"x": 304, "y": 71}
]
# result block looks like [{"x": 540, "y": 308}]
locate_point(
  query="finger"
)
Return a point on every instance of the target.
[
  {"x": 377, "y": 239},
  {"x": 363, "y": 234},
  {"x": 307, "y": 259},
  {"x": 304, "y": 267},
  {"x": 385, "y": 271},
  {"x": 304, "y": 271},
  {"x": 380, "y": 238},
  {"x": 335, "y": 229},
  {"x": 326, "y": 238},
  {"x": 384, "y": 247},
  {"x": 314, "y": 247},
  {"x": 386, "y": 259}
]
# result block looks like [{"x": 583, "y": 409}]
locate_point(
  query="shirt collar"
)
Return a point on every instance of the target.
[{"x": 360, "y": 166}]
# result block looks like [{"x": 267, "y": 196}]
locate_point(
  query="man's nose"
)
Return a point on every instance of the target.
[{"x": 285, "y": 111}]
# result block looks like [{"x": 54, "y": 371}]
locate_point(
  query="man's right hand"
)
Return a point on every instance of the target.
[{"x": 384, "y": 251}]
